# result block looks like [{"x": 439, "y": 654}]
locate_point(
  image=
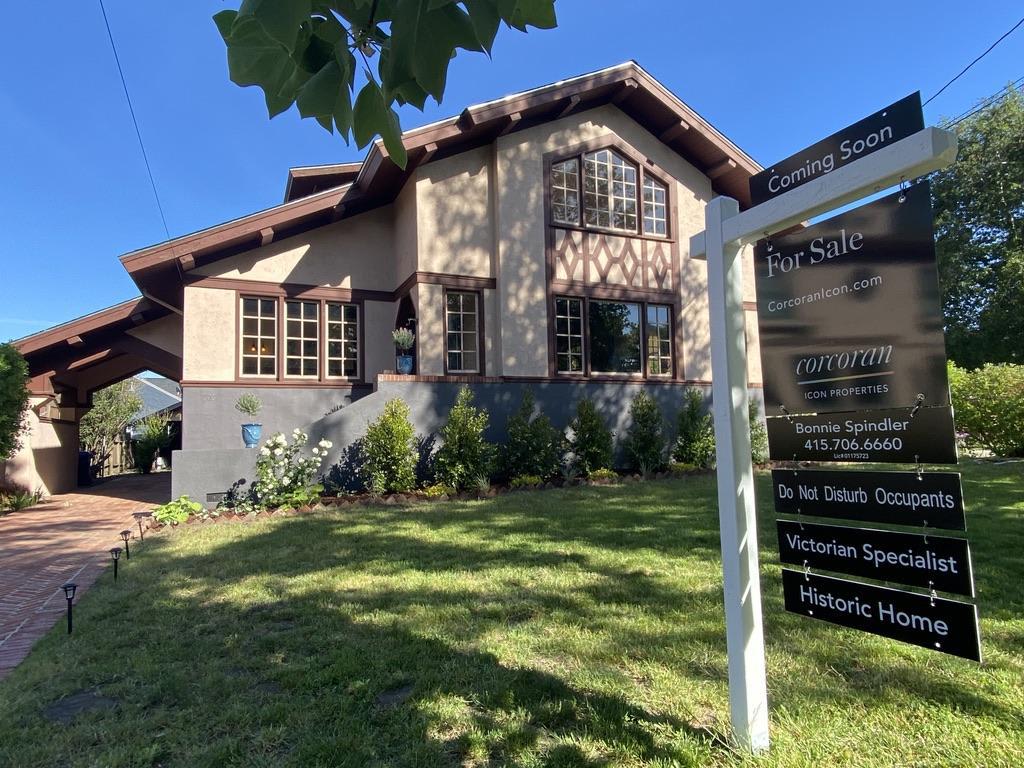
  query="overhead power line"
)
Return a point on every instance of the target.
[
  {"x": 984, "y": 104},
  {"x": 986, "y": 53},
  {"x": 135, "y": 122}
]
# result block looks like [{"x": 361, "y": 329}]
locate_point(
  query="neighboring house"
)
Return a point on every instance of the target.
[
  {"x": 160, "y": 397},
  {"x": 538, "y": 241}
]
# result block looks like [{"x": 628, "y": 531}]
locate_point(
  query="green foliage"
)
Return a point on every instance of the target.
[
  {"x": 285, "y": 477},
  {"x": 979, "y": 229},
  {"x": 683, "y": 468},
  {"x": 390, "y": 450},
  {"x": 525, "y": 481},
  {"x": 154, "y": 438},
  {"x": 464, "y": 455},
  {"x": 13, "y": 399},
  {"x": 304, "y": 52},
  {"x": 603, "y": 475},
  {"x": 177, "y": 511},
  {"x": 644, "y": 443},
  {"x": 113, "y": 409},
  {"x": 438, "y": 490},
  {"x": 695, "y": 432},
  {"x": 403, "y": 338},
  {"x": 15, "y": 499},
  {"x": 533, "y": 444},
  {"x": 989, "y": 406},
  {"x": 589, "y": 440},
  {"x": 758, "y": 434},
  {"x": 249, "y": 404}
]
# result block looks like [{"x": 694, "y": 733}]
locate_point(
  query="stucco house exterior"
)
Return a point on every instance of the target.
[{"x": 537, "y": 241}]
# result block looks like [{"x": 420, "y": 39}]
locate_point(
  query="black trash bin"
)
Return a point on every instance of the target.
[{"x": 84, "y": 468}]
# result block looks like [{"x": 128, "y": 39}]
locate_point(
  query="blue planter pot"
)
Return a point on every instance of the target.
[
  {"x": 404, "y": 363},
  {"x": 251, "y": 434}
]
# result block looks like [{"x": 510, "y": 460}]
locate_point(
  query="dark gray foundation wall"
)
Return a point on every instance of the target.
[{"x": 212, "y": 459}]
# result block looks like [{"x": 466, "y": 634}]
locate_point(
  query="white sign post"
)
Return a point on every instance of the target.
[{"x": 726, "y": 231}]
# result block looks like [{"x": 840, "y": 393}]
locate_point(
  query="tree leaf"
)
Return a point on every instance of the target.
[
  {"x": 372, "y": 116},
  {"x": 486, "y": 20},
  {"x": 280, "y": 19},
  {"x": 319, "y": 95}
]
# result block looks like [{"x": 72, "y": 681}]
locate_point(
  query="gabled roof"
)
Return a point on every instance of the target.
[
  {"x": 158, "y": 396},
  {"x": 318, "y": 195}
]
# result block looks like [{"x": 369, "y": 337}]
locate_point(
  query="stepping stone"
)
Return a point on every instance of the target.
[
  {"x": 393, "y": 698},
  {"x": 67, "y": 709}
]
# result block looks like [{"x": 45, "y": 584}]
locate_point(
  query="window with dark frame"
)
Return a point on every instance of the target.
[
  {"x": 619, "y": 336},
  {"x": 462, "y": 346},
  {"x": 259, "y": 336},
  {"x": 302, "y": 338},
  {"x": 617, "y": 194},
  {"x": 658, "y": 330},
  {"x": 569, "y": 334},
  {"x": 342, "y": 340}
]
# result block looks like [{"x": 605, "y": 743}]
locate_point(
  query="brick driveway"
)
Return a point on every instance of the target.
[{"x": 66, "y": 538}]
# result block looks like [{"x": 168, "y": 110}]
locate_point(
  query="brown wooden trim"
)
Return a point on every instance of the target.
[
  {"x": 288, "y": 383},
  {"x": 290, "y": 290},
  {"x": 456, "y": 282},
  {"x": 104, "y": 318},
  {"x": 604, "y": 379},
  {"x": 720, "y": 169},
  {"x": 481, "y": 347}
]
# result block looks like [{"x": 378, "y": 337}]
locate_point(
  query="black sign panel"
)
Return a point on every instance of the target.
[
  {"x": 949, "y": 626},
  {"x": 936, "y": 562},
  {"x": 932, "y": 499},
  {"x": 885, "y": 127},
  {"x": 888, "y": 436},
  {"x": 849, "y": 314}
]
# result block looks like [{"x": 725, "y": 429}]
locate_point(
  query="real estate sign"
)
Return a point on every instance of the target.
[
  {"x": 949, "y": 626},
  {"x": 849, "y": 313},
  {"x": 884, "y": 127}
]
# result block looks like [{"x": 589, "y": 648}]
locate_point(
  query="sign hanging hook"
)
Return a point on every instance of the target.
[
  {"x": 918, "y": 402},
  {"x": 903, "y": 188}
]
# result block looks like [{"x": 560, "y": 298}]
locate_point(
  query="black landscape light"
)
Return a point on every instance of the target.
[
  {"x": 139, "y": 517},
  {"x": 69, "y": 593},
  {"x": 125, "y": 535},
  {"x": 115, "y": 555}
]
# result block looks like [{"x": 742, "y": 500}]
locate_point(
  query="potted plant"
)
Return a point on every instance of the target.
[
  {"x": 404, "y": 338},
  {"x": 250, "y": 405}
]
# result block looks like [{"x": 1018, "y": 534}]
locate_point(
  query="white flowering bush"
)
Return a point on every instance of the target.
[{"x": 284, "y": 476}]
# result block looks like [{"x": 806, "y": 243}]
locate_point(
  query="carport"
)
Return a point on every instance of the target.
[{"x": 67, "y": 364}]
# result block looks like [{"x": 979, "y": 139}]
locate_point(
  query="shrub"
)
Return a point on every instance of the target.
[
  {"x": 14, "y": 499},
  {"x": 154, "y": 438},
  {"x": 989, "y": 406},
  {"x": 248, "y": 404},
  {"x": 390, "y": 450},
  {"x": 533, "y": 443},
  {"x": 438, "y": 490},
  {"x": 283, "y": 476},
  {"x": 13, "y": 399},
  {"x": 177, "y": 511},
  {"x": 683, "y": 468},
  {"x": 644, "y": 444},
  {"x": 695, "y": 437},
  {"x": 603, "y": 475},
  {"x": 464, "y": 455},
  {"x": 758, "y": 435},
  {"x": 525, "y": 481},
  {"x": 590, "y": 440},
  {"x": 404, "y": 338}
]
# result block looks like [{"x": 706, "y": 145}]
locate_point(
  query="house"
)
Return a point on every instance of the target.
[{"x": 537, "y": 241}]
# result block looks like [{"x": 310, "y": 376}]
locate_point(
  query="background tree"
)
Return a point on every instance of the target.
[
  {"x": 112, "y": 411},
  {"x": 13, "y": 399},
  {"x": 310, "y": 53},
  {"x": 979, "y": 227}
]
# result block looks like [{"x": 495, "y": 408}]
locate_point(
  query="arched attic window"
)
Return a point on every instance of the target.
[{"x": 610, "y": 193}]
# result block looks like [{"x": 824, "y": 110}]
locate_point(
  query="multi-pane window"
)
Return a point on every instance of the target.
[
  {"x": 342, "y": 340},
  {"x": 565, "y": 195},
  {"x": 659, "y": 340},
  {"x": 617, "y": 337},
  {"x": 302, "y": 338},
  {"x": 609, "y": 191},
  {"x": 259, "y": 336},
  {"x": 461, "y": 315},
  {"x": 655, "y": 208},
  {"x": 569, "y": 334}
]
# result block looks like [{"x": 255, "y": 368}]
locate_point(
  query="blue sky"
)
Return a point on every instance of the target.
[{"x": 773, "y": 77}]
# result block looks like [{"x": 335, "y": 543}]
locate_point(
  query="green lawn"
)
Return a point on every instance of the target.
[{"x": 580, "y": 627}]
